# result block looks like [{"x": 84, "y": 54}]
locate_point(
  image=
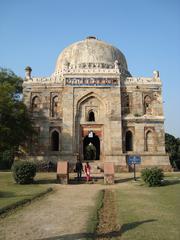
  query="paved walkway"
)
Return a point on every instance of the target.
[{"x": 60, "y": 215}]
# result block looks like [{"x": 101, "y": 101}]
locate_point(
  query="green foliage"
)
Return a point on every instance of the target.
[
  {"x": 90, "y": 153},
  {"x": 6, "y": 159},
  {"x": 93, "y": 219},
  {"x": 152, "y": 176},
  {"x": 137, "y": 115},
  {"x": 8, "y": 78},
  {"x": 15, "y": 124},
  {"x": 45, "y": 166},
  {"x": 172, "y": 145},
  {"x": 24, "y": 172}
]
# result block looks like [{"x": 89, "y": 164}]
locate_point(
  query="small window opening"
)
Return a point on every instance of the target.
[{"x": 91, "y": 117}]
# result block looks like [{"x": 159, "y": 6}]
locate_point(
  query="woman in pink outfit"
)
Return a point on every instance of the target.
[{"x": 88, "y": 171}]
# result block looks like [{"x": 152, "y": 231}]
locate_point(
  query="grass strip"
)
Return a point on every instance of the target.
[
  {"x": 94, "y": 215},
  {"x": 13, "y": 206}
]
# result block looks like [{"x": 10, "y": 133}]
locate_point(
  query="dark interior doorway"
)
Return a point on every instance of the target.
[
  {"x": 91, "y": 147},
  {"x": 91, "y": 117},
  {"x": 55, "y": 141},
  {"x": 129, "y": 141}
]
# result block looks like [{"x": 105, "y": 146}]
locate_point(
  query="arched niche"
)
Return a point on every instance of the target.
[
  {"x": 35, "y": 104},
  {"x": 54, "y": 140},
  {"x": 91, "y": 116},
  {"x": 149, "y": 141},
  {"x": 129, "y": 141},
  {"x": 54, "y": 106}
]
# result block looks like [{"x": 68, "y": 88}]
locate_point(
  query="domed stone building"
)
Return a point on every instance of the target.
[{"x": 92, "y": 103}]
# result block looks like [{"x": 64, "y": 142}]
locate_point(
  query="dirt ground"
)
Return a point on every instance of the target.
[{"x": 59, "y": 215}]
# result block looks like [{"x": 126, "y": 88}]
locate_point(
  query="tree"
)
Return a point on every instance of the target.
[
  {"x": 173, "y": 148},
  {"x": 15, "y": 124},
  {"x": 90, "y": 152}
]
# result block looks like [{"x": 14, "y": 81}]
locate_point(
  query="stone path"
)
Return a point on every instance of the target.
[{"x": 60, "y": 215}]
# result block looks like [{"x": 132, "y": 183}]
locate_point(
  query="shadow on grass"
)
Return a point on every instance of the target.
[
  {"x": 125, "y": 180},
  {"x": 77, "y": 236},
  {"x": 72, "y": 181},
  {"x": 7, "y": 194},
  {"x": 129, "y": 226},
  {"x": 45, "y": 181},
  {"x": 170, "y": 182},
  {"x": 83, "y": 180}
]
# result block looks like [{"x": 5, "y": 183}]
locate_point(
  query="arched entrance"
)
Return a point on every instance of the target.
[
  {"x": 129, "y": 141},
  {"x": 91, "y": 147},
  {"x": 55, "y": 141}
]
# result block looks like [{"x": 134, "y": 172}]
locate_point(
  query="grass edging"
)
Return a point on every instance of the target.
[
  {"x": 94, "y": 215},
  {"x": 13, "y": 206}
]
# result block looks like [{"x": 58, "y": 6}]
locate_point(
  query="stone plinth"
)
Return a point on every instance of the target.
[
  {"x": 109, "y": 173},
  {"x": 63, "y": 172}
]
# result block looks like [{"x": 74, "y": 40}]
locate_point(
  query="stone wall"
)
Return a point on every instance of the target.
[{"x": 61, "y": 103}]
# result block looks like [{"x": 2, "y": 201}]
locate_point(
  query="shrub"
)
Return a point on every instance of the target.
[
  {"x": 152, "y": 176},
  {"x": 24, "y": 172},
  {"x": 45, "y": 166}
]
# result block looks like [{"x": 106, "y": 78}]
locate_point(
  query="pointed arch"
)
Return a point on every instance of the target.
[
  {"x": 87, "y": 96},
  {"x": 129, "y": 141},
  {"x": 149, "y": 141},
  {"x": 35, "y": 104},
  {"x": 54, "y": 140},
  {"x": 91, "y": 116},
  {"x": 147, "y": 104},
  {"x": 54, "y": 107}
]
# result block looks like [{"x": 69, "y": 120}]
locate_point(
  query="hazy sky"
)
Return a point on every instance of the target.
[{"x": 34, "y": 32}]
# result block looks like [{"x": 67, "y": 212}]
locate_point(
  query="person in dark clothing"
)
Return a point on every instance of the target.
[
  {"x": 50, "y": 166},
  {"x": 79, "y": 169}
]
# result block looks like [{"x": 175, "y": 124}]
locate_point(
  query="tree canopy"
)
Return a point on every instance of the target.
[
  {"x": 15, "y": 124},
  {"x": 173, "y": 148}
]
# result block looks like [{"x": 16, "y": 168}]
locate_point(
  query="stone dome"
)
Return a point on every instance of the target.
[{"x": 90, "y": 51}]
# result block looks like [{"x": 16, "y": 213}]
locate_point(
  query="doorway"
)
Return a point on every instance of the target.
[
  {"x": 55, "y": 141},
  {"x": 91, "y": 147}
]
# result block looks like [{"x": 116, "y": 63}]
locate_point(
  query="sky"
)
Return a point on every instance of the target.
[{"x": 34, "y": 32}]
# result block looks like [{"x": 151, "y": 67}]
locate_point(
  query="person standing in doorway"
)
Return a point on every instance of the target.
[
  {"x": 79, "y": 169},
  {"x": 88, "y": 172}
]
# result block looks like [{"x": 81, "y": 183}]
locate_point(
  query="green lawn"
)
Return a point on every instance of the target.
[
  {"x": 10, "y": 192},
  {"x": 149, "y": 213}
]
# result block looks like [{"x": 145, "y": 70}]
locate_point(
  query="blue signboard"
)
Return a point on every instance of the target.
[{"x": 134, "y": 159}]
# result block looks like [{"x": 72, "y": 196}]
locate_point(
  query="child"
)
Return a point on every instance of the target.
[{"x": 87, "y": 171}]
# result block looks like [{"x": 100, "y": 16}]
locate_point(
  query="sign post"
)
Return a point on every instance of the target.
[
  {"x": 134, "y": 159},
  {"x": 134, "y": 172}
]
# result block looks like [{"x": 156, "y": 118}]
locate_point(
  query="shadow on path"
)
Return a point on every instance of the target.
[{"x": 82, "y": 236}]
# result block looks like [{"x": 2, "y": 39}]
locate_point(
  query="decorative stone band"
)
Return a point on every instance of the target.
[
  {"x": 94, "y": 81},
  {"x": 92, "y": 70},
  {"x": 92, "y": 65},
  {"x": 91, "y": 81},
  {"x": 54, "y": 79},
  {"x": 144, "y": 119},
  {"x": 140, "y": 80}
]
